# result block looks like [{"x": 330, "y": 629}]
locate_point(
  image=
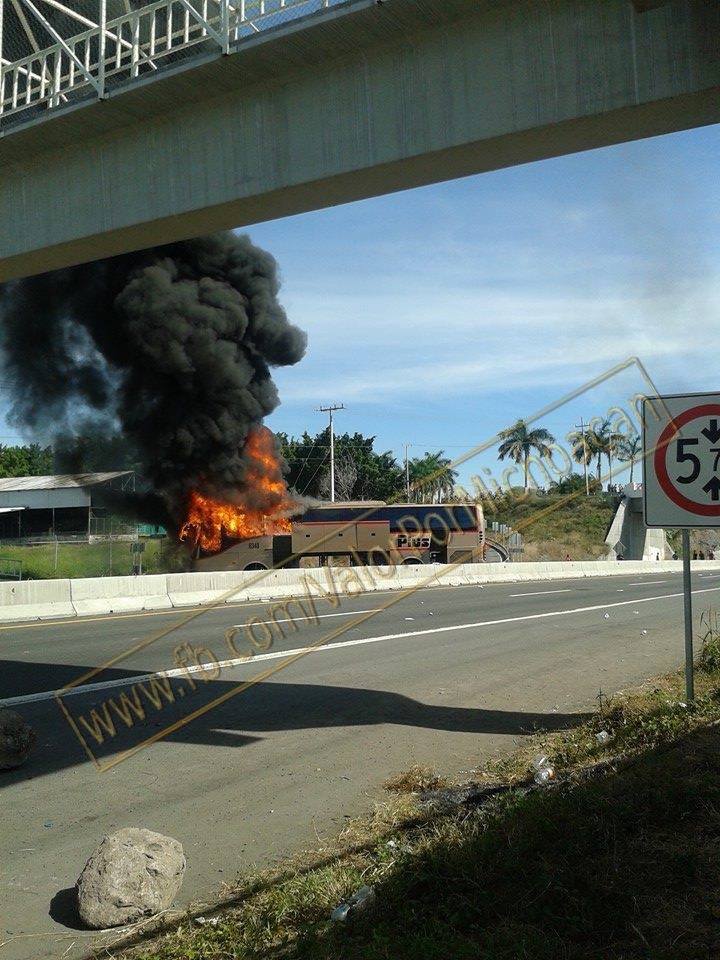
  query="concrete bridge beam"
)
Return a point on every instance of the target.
[{"x": 358, "y": 101}]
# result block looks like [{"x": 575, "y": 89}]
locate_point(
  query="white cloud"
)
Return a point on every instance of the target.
[{"x": 436, "y": 341}]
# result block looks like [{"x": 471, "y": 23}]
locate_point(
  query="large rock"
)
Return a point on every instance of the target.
[
  {"x": 16, "y": 740},
  {"x": 134, "y": 873}
]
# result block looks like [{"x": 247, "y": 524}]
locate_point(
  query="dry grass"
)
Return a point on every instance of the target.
[{"x": 415, "y": 780}]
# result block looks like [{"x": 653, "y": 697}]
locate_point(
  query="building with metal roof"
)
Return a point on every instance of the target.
[{"x": 59, "y": 505}]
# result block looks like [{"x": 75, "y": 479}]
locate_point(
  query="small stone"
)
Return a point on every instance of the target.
[
  {"x": 16, "y": 740},
  {"x": 133, "y": 873}
]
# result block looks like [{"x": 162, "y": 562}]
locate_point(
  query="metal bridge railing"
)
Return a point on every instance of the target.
[{"x": 132, "y": 45}]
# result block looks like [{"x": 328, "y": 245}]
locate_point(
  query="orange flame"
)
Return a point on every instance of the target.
[{"x": 208, "y": 520}]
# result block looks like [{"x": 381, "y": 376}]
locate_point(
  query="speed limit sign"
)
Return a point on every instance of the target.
[
  {"x": 681, "y": 457},
  {"x": 681, "y": 480}
]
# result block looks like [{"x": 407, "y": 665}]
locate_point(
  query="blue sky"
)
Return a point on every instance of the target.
[{"x": 441, "y": 315}]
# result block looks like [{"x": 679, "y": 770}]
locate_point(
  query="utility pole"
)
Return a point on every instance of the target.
[
  {"x": 331, "y": 410},
  {"x": 407, "y": 472},
  {"x": 581, "y": 427}
]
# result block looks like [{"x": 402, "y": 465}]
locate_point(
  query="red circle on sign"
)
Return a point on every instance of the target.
[{"x": 694, "y": 413}]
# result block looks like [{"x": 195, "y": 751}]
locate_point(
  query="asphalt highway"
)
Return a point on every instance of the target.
[{"x": 246, "y": 730}]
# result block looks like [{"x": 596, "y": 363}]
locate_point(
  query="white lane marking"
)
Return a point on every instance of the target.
[
  {"x": 709, "y": 576},
  {"x": 321, "y": 648},
  {"x": 173, "y": 672},
  {"x": 318, "y": 616},
  {"x": 645, "y": 583},
  {"x": 540, "y": 593}
]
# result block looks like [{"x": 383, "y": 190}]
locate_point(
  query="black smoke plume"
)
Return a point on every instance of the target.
[{"x": 168, "y": 348}]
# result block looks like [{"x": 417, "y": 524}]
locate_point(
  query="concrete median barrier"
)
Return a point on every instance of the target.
[
  {"x": 35, "y": 600},
  {"x": 275, "y": 584},
  {"x": 48, "y": 599},
  {"x": 103, "y": 595},
  {"x": 202, "y": 589}
]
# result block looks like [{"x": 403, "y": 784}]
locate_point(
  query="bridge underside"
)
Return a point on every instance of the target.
[{"x": 355, "y": 101}]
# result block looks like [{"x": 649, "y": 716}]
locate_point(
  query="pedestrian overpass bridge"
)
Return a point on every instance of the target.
[{"x": 125, "y": 124}]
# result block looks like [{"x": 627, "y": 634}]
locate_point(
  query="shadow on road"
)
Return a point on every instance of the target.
[{"x": 121, "y": 717}]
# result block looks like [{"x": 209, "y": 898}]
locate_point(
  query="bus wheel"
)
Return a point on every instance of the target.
[
  {"x": 376, "y": 558},
  {"x": 409, "y": 560},
  {"x": 256, "y": 566}
]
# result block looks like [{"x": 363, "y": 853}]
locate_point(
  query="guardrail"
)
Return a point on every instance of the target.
[
  {"x": 135, "y": 44},
  {"x": 51, "y": 599}
]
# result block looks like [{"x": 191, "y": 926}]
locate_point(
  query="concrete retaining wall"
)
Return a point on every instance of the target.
[{"x": 48, "y": 599}]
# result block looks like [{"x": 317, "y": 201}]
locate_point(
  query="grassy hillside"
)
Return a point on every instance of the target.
[{"x": 554, "y": 525}]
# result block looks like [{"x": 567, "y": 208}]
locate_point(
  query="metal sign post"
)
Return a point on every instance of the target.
[
  {"x": 681, "y": 488},
  {"x": 687, "y": 600},
  {"x": 137, "y": 548}
]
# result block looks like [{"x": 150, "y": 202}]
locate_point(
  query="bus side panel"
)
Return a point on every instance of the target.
[
  {"x": 373, "y": 535},
  {"x": 465, "y": 547},
  {"x": 257, "y": 551},
  {"x": 317, "y": 538}
]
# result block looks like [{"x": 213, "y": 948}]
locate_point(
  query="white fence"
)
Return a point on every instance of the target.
[{"x": 135, "y": 44}]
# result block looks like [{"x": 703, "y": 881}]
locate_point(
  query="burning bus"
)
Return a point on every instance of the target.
[
  {"x": 371, "y": 532},
  {"x": 269, "y": 526}
]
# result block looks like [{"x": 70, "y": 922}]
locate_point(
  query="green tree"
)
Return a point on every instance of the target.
[
  {"x": 574, "y": 483},
  {"x": 518, "y": 443},
  {"x": 361, "y": 473},
  {"x": 585, "y": 448},
  {"x": 432, "y": 477},
  {"x": 607, "y": 443},
  {"x": 25, "y": 461},
  {"x": 629, "y": 450}
]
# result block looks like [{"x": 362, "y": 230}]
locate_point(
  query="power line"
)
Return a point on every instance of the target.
[
  {"x": 324, "y": 459},
  {"x": 297, "y": 480}
]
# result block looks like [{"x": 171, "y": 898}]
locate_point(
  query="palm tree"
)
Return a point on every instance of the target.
[
  {"x": 432, "y": 476},
  {"x": 518, "y": 443},
  {"x": 628, "y": 449},
  {"x": 607, "y": 442},
  {"x": 585, "y": 448}
]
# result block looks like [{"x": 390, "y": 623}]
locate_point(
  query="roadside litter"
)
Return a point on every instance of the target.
[
  {"x": 400, "y": 847},
  {"x": 544, "y": 771},
  {"x": 360, "y": 902}
]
